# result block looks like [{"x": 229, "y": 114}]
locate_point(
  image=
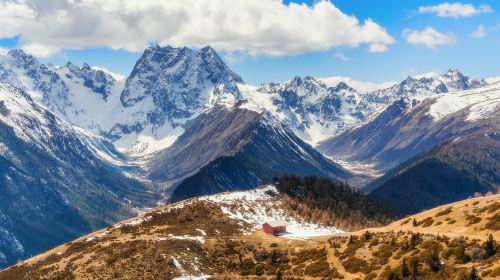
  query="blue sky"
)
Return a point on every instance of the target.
[{"x": 474, "y": 56}]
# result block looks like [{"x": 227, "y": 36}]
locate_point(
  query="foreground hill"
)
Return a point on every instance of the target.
[
  {"x": 205, "y": 236},
  {"x": 55, "y": 181},
  {"x": 476, "y": 218},
  {"x": 220, "y": 236},
  {"x": 453, "y": 171}
]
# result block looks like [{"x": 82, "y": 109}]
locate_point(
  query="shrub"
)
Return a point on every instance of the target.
[{"x": 444, "y": 212}]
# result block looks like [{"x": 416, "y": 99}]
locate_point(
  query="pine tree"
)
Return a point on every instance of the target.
[
  {"x": 279, "y": 275},
  {"x": 405, "y": 271},
  {"x": 490, "y": 246},
  {"x": 392, "y": 276},
  {"x": 414, "y": 267},
  {"x": 434, "y": 262},
  {"x": 473, "y": 274}
]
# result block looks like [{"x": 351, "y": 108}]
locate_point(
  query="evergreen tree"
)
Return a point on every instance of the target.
[
  {"x": 490, "y": 246},
  {"x": 414, "y": 267},
  {"x": 279, "y": 275},
  {"x": 473, "y": 274},
  {"x": 392, "y": 276},
  {"x": 433, "y": 261},
  {"x": 405, "y": 271}
]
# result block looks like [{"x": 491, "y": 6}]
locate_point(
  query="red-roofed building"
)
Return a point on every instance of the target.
[{"x": 275, "y": 227}]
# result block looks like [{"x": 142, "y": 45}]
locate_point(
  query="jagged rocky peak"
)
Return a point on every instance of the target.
[
  {"x": 456, "y": 81},
  {"x": 342, "y": 86},
  {"x": 22, "y": 58},
  {"x": 180, "y": 81},
  {"x": 452, "y": 80},
  {"x": 425, "y": 85},
  {"x": 306, "y": 85},
  {"x": 96, "y": 80},
  {"x": 24, "y": 71}
]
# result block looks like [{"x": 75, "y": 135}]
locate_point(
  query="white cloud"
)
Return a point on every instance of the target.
[
  {"x": 3, "y": 51},
  {"x": 480, "y": 32},
  {"x": 428, "y": 37},
  {"x": 233, "y": 58},
  {"x": 264, "y": 27},
  {"x": 455, "y": 10},
  {"x": 12, "y": 16},
  {"x": 341, "y": 56}
]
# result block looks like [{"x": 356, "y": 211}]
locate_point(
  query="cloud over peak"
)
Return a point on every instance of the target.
[
  {"x": 455, "y": 10},
  {"x": 264, "y": 27}
]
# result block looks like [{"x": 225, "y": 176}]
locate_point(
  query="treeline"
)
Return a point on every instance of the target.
[{"x": 332, "y": 203}]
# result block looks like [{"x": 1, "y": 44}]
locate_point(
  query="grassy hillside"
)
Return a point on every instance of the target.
[{"x": 220, "y": 237}]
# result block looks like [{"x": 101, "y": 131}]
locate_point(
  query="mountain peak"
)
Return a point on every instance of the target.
[
  {"x": 177, "y": 84},
  {"x": 85, "y": 66},
  {"x": 453, "y": 71},
  {"x": 208, "y": 49},
  {"x": 342, "y": 86},
  {"x": 22, "y": 57}
]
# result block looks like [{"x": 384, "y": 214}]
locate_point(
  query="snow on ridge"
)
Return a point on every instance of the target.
[
  {"x": 479, "y": 102},
  {"x": 116, "y": 76},
  {"x": 425, "y": 75},
  {"x": 360, "y": 86}
]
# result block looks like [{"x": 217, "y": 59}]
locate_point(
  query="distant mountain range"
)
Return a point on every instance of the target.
[
  {"x": 411, "y": 126},
  {"x": 86, "y": 146}
]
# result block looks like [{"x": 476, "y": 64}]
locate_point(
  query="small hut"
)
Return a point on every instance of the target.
[{"x": 275, "y": 227}]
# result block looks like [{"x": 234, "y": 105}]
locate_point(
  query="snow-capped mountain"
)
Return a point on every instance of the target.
[
  {"x": 310, "y": 108},
  {"x": 319, "y": 108},
  {"x": 411, "y": 126},
  {"x": 25, "y": 72},
  {"x": 167, "y": 87},
  {"x": 83, "y": 96},
  {"x": 56, "y": 180},
  {"x": 426, "y": 85}
]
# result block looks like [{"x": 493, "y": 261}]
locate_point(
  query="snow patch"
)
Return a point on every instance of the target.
[{"x": 260, "y": 205}]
